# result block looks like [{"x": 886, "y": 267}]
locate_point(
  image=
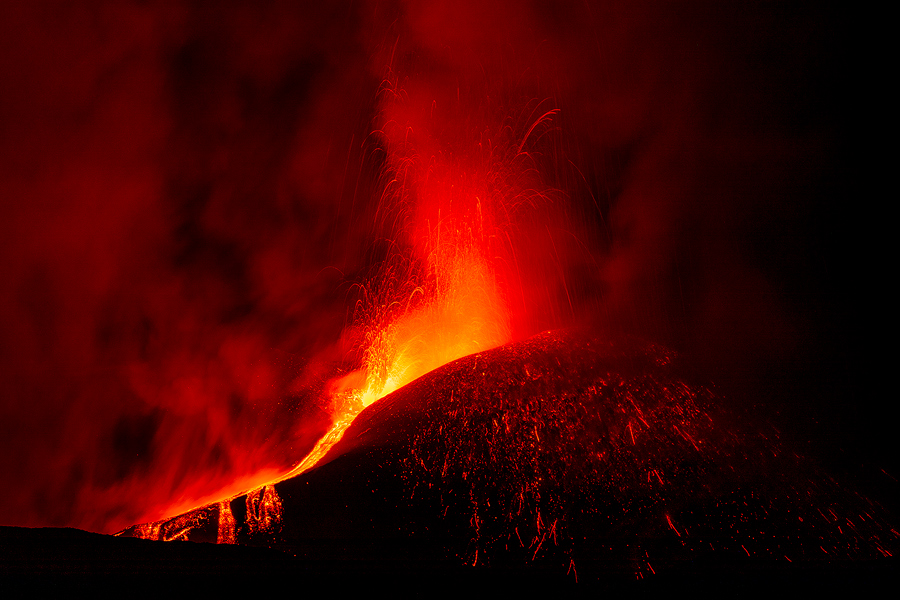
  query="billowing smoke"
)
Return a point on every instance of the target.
[
  {"x": 193, "y": 205},
  {"x": 178, "y": 227}
]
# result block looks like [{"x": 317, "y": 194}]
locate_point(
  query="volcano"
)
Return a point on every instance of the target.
[
  {"x": 562, "y": 455},
  {"x": 290, "y": 258}
]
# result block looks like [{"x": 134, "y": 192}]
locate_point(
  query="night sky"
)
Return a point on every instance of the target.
[{"x": 193, "y": 211}]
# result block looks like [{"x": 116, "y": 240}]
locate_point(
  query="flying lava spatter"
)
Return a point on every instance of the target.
[{"x": 443, "y": 302}]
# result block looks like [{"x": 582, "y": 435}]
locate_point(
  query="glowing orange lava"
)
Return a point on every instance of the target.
[{"x": 457, "y": 311}]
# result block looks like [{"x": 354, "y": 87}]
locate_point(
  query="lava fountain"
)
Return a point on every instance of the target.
[
  {"x": 438, "y": 300},
  {"x": 458, "y": 311}
]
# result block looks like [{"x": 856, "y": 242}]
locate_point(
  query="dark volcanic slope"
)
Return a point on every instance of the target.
[{"x": 560, "y": 454}]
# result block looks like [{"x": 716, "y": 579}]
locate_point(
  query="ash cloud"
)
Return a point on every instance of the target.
[{"x": 190, "y": 193}]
